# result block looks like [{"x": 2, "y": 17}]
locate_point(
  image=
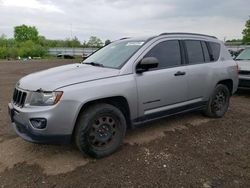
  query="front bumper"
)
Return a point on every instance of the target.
[
  {"x": 25, "y": 130},
  {"x": 244, "y": 82}
]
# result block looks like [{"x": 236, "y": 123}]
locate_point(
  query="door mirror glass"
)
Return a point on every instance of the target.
[{"x": 146, "y": 64}]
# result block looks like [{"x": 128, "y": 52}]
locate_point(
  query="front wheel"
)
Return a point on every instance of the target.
[
  {"x": 100, "y": 130},
  {"x": 218, "y": 102}
]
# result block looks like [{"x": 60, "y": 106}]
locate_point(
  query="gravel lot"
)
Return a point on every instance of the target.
[{"x": 183, "y": 151}]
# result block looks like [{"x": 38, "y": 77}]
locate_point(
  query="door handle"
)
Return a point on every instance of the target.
[{"x": 180, "y": 73}]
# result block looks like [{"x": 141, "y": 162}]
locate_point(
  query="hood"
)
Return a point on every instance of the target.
[
  {"x": 54, "y": 78},
  {"x": 244, "y": 65}
]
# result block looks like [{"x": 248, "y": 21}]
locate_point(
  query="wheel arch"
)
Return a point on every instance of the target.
[
  {"x": 228, "y": 83},
  {"x": 119, "y": 102}
]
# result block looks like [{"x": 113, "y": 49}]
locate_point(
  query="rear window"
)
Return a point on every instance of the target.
[
  {"x": 214, "y": 51},
  {"x": 194, "y": 51}
]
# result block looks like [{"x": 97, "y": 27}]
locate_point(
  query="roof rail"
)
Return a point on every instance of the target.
[
  {"x": 188, "y": 34},
  {"x": 124, "y": 38}
]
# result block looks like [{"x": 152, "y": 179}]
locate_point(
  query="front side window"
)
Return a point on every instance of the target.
[
  {"x": 167, "y": 53},
  {"x": 115, "y": 54},
  {"x": 194, "y": 51}
]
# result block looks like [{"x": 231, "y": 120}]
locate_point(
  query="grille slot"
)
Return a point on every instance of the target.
[
  {"x": 244, "y": 72},
  {"x": 19, "y": 97}
]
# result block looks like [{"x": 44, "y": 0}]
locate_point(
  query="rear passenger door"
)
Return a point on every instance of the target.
[{"x": 198, "y": 69}]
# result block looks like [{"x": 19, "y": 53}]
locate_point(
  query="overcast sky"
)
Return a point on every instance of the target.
[{"x": 113, "y": 19}]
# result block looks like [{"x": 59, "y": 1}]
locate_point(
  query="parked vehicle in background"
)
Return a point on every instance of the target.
[
  {"x": 124, "y": 84},
  {"x": 65, "y": 56},
  {"x": 243, "y": 60},
  {"x": 235, "y": 53}
]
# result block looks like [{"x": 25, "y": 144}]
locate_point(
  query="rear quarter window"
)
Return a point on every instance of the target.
[{"x": 214, "y": 49}]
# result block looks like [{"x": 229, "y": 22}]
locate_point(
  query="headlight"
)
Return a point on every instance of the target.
[{"x": 45, "y": 98}]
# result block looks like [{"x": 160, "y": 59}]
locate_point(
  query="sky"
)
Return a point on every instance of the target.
[{"x": 114, "y": 19}]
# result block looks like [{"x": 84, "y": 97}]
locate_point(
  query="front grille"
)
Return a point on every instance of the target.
[
  {"x": 19, "y": 97},
  {"x": 242, "y": 72}
]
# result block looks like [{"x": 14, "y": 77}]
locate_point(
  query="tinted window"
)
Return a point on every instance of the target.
[
  {"x": 194, "y": 51},
  {"x": 215, "y": 51},
  {"x": 205, "y": 51},
  {"x": 167, "y": 53}
]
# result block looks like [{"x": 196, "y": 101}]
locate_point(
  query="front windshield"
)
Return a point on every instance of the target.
[
  {"x": 244, "y": 55},
  {"x": 115, "y": 54}
]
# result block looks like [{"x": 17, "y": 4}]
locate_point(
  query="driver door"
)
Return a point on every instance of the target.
[{"x": 165, "y": 87}]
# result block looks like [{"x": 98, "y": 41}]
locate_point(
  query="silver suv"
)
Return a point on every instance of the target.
[{"x": 126, "y": 83}]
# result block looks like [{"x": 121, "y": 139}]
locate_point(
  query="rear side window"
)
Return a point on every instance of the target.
[
  {"x": 167, "y": 53},
  {"x": 214, "y": 51},
  {"x": 194, "y": 51}
]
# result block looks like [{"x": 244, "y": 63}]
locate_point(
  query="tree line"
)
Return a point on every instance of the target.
[
  {"x": 27, "y": 42},
  {"x": 246, "y": 35}
]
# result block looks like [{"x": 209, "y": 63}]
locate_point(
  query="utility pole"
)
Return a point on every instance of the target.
[{"x": 71, "y": 36}]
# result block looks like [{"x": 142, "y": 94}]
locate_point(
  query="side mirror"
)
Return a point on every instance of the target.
[{"x": 146, "y": 64}]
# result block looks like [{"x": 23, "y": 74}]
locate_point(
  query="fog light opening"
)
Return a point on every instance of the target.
[{"x": 38, "y": 123}]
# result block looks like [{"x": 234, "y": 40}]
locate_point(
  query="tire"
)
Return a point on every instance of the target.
[
  {"x": 218, "y": 102},
  {"x": 100, "y": 130}
]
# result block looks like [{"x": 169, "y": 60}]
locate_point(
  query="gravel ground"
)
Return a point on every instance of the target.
[{"x": 183, "y": 151}]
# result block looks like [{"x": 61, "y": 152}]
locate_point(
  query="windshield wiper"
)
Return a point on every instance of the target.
[{"x": 94, "y": 64}]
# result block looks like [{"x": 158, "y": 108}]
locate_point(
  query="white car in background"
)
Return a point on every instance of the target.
[{"x": 243, "y": 60}]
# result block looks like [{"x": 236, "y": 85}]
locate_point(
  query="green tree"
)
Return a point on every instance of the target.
[
  {"x": 32, "y": 49},
  {"x": 24, "y": 33},
  {"x": 12, "y": 52},
  {"x": 246, "y": 32},
  {"x": 72, "y": 42},
  {"x": 94, "y": 42},
  {"x": 85, "y": 44},
  {"x": 76, "y": 42},
  {"x": 3, "y": 40},
  {"x": 3, "y": 36},
  {"x": 53, "y": 43},
  {"x": 42, "y": 41},
  {"x": 234, "y": 40},
  {"x": 3, "y": 52}
]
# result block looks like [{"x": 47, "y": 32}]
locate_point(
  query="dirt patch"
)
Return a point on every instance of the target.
[
  {"x": 149, "y": 133},
  {"x": 52, "y": 159},
  {"x": 62, "y": 159}
]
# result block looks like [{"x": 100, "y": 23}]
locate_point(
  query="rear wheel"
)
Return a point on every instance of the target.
[
  {"x": 100, "y": 130},
  {"x": 218, "y": 103}
]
